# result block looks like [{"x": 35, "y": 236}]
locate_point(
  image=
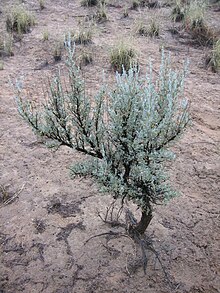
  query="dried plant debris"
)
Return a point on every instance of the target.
[
  {"x": 64, "y": 209},
  {"x": 39, "y": 225},
  {"x": 7, "y": 196}
]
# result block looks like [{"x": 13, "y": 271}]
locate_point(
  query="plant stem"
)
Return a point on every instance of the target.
[{"x": 144, "y": 222}]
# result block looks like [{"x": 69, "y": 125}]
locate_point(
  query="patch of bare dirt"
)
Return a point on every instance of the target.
[{"x": 43, "y": 231}]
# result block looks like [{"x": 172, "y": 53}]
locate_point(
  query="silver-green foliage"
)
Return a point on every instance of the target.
[{"x": 126, "y": 131}]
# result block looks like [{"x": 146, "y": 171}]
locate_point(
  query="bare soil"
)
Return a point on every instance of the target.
[{"x": 43, "y": 230}]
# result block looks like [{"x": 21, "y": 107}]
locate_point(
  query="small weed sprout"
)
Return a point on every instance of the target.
[
  {"x": 45, "y": 36},
  {"x": 122, "y": 57},
  {"x": 125, "y": 13},
  {"x": 19, "y": 20},
  {"x": 1, "y": 65},
  {"x": 126, "y": 132}
]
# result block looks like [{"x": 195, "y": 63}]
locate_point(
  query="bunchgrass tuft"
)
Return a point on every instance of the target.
[
  {"x": 19, "y": 20},
  {"x": 122, "y": 57}
]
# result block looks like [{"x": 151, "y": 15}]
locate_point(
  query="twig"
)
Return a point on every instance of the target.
[
  {"x": 102, "y": 234},
  {"x": 13, "y": 197},
  {"x": 126, "y": 267}
]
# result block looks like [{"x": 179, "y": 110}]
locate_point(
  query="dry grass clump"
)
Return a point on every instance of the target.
[
  {"x": 57, "y": 52},
  {"x": 141, "y": 29},
  {"x": 41, "y": 4},
  {"x": 151, "y": 30},
  {"x": 213, "y": 61},
  {"x": 6, "y": 46},
  {"x": 135, "y": 4},
  {"x": 83, "y": 37},
  {"x": 125, "y": 13},
  {"x": 19, "y": 20},
  {"x": 178, "y": 11},
  {"x": 122, "y": 57},
  {"x": 84, "y": 34},
  {"x": 101, "y": 13},
  {"x": 89, "y": 2},
  {"x": 144, "y": 3},
  {"x": 154, "y": 28},
  {"x": 85, "y": 58},
  {"x": 193, "y": 13},
  {"x": 194, "y": 23}
]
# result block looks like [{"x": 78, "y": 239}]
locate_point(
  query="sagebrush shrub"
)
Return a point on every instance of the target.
[{"x": 126, "y": 131}]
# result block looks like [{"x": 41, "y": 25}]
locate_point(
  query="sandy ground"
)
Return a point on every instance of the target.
[{"x": 43, "y": 231}]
